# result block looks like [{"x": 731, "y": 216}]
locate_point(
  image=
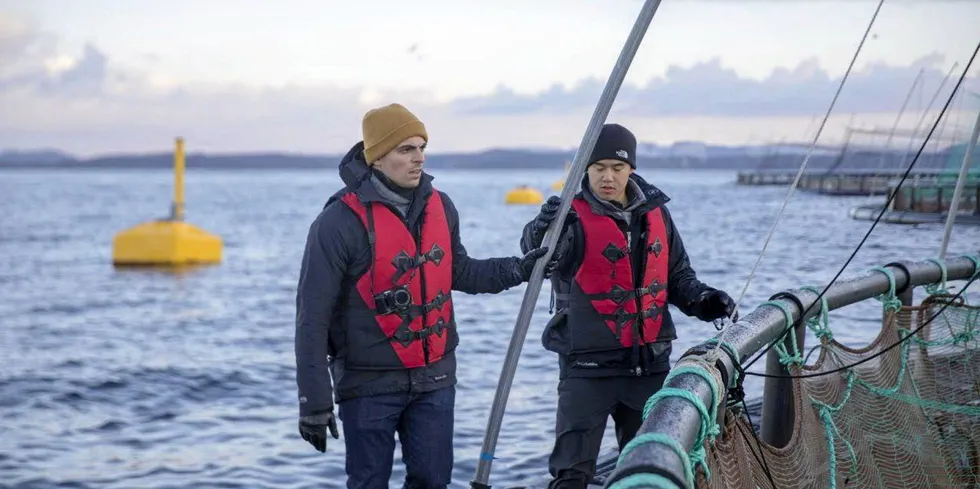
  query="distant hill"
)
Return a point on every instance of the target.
[
  {"x": 43, "y": 156},
  {"x": 687, "y": 155}
]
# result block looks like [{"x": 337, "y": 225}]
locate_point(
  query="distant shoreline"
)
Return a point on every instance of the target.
[{"x": 703, "y": 157}]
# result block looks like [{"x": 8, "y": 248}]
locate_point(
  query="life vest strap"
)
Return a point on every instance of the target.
[
  {"x": 619, "y": 294},
  {"x": 406, "y": 336},
  {"x": 404, "y": 263}
]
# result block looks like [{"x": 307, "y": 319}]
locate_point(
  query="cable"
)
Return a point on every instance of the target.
[
  {"x": 806, "y": 159},
  {"x": 880, "y": 214},
  {"x": 758, "y": 445}
]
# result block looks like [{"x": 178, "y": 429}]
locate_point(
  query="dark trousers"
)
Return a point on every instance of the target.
[
  {"x": 584, "y": 406},
  {"x": 424, "y": 423}
]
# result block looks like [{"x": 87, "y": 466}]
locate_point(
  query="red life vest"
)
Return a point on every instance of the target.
[
  {"x": 417, "y": 326},
  {"x": 605, "y": 300}
]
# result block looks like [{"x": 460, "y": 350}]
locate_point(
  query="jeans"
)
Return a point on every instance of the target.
[{"x": 424, "y": 423}]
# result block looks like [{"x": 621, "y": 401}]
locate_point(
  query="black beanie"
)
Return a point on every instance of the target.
[{"x": 617, "y": 143}]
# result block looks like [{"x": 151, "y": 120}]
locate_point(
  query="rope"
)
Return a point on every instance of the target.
[
  {"x": 736, "y": 358},
  {"x": 820, "y": 324},
  {"x": 890, "y": 299},
  {"x": 709, "y": 427},
  {"x": 644, "y": 480},
  {"x": 826, "y": 415},
  {"x": 976, "y": 269},
  {"x": 785, "y": 357},
  {"x": 941, "y": 286},
  {"x": 976, "y": 265},
  {"x": 666, "y": 441}
]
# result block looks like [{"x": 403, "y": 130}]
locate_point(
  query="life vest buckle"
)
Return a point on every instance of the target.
[
  {"x": 434, "y": 255},
  {"x": 652, "y": 313},
  {"x": 622, "y": 317},
  {"x": 613, "y": 253},
  {"x": 656, "y": 247},
  {"x": 437, "y": 302},
  {"x": 619, "y": 294}
]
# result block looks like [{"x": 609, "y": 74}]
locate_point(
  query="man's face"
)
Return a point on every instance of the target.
[
  {"x": 608, "y": 179},
  {"x": 403, "y": 165}
]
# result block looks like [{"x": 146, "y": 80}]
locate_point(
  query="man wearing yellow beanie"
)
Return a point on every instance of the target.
[
  {"x": 375, "y": 309},
  {"x": 385, "y": 127}
]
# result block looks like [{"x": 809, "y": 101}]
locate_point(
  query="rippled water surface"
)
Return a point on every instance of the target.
[{"x": 150, "y": 379}]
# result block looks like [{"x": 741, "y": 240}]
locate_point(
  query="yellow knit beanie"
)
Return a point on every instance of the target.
[{"x": 385, "y": 127}]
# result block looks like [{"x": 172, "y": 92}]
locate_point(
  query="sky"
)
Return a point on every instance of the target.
[{"x": 110, "y": 76}]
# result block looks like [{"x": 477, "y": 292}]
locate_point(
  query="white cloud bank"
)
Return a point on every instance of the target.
[{"x": 87, "y": 105}]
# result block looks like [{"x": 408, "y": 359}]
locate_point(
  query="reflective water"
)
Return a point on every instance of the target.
[{"x": 151, "y": 379}]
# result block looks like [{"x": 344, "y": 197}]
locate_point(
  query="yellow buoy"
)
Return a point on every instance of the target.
[
  {"x": 167, "y": 242},
  {"x": 560, "y": 184},
  {"x": 524, "y": 195}
]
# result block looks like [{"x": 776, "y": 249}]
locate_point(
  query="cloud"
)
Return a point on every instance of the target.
[
  {"x": 16, "y": 36},
  {"x": 85, "y": 103},
  {"x": 710, "y": 89},
  {"x": 87, "y": 77}
]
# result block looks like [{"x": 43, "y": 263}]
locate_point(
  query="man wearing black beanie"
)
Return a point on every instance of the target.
[{"x": 619, "y": 261}]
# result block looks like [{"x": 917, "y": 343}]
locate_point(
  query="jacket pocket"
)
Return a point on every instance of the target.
[{"x": 555, "y": 335}]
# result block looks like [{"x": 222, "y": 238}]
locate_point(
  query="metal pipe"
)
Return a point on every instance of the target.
[
  {"x": 533, "y": 288},
  {"x": 655, "y": 457},
  {"x": 899, "y": 132},
  {"x": 676, "y": 417},
  {"x": 778, "y": 404},
  {"x": 954, "y": 206},
  {"x": 907, "y": 297}
]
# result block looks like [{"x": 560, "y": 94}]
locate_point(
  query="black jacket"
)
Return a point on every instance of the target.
[
  {"x": 683, "y": 287},
  {"x": 337, "y": 254}
]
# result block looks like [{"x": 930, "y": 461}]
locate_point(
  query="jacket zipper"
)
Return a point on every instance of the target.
[
  {"x": 425, "y": 322},
  {"x": 641, "y": 273},
  {"x": 637, "y": 322}
]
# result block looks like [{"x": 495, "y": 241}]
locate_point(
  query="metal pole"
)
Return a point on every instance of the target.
[
  {"x": 918, "y": 125},
  {"x": 891, "y": 134},
  {"x": 551, "y": 236},
  {"x": 177, "y": 212},
  {"x": 955, "y": 204},
  {"x": 843, "y": 151}
]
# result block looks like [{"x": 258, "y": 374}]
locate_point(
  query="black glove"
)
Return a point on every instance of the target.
[
  {"x": 714, "y": 304},
  {"x": 555, "y": 258},
  {"x": 549, "y": 210},
  {"x": 313, "y": 428},
  {"x": 526, "y": 264}
]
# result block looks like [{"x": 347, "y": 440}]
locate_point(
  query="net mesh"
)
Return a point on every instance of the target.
[{"x": 907, "y": 418}]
